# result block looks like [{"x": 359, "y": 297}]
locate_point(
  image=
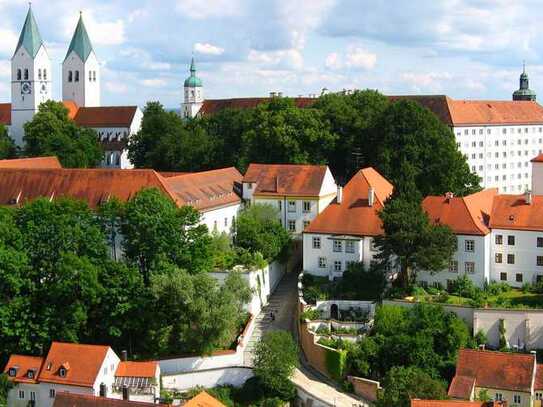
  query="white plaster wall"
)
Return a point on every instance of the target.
[
  {"x": 537, "y": 178},
  {"x": 46, "y": 401},
  {"x": 234, "y": 376},
  {"x": 220, "y": 219},
  {"x": 525, "y": 251},
  {"x": 107, "y": 371},
  {"x": 13, "y": 395},
  {"x": 189, "y": 364},
  {"x": 299, "y": 215},
  {"x": 85, "y": 93},
  {"x": 329, "y": 186}
]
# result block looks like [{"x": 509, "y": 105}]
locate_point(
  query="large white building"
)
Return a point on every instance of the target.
[{"x": 31, "y": 85}]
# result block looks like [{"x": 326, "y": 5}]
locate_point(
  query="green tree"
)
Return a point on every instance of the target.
[
  {"x": 52, "y": 132},
  {"x": 411, "y": 242},
  {"x": 401, "y": 384},
  {"x": 276, "y": 357},
  {"x": 410, "y": 145},
  {"x": 258, "y": 230},
  {"x": 7, "y": 145},
  {"x": 5, "y": 386}
]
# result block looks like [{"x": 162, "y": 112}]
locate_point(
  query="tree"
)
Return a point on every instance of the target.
[
  {"x": 402, "y": 384},
  {"x": 276, "y": 357},
  {"x": 362, "y": 283},
  {"x": 258, "y": 230},
  {"x": 409, "y": 140},
  {"x": 5, "y": 386},
  {"x": 52, "y": 132},
  {"x": 411, "y": 242},
  {"x": 7, "y": 145}
]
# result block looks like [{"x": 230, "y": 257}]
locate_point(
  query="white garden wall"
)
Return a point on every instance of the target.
[{"x": 234, "y": 376}]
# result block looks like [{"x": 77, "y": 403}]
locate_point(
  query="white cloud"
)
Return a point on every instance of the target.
[
  {"x": 360, "y": 58},
  {"x": 333, "y": 61},
  {"x": 286, "y": 59},
  {"x": 101, "y": 32},
  {"x": 137, "y": 14},
  {"x": 8, "y": 41},
  {"x": 199, "y": 10},
  {"x": 208, "y": 49},
  {"x": 153, "y": 83},
  {"x": 144, "y": 60},
  {"x": 5, "y": 68},
  {"x": 116, "y": 87}
]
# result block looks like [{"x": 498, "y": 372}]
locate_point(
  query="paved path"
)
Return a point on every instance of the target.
[{"x": 283, "y": 303}]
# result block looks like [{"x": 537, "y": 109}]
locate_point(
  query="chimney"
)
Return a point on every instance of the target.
[
  {"x": 371, "y": 196},
  {"x": 533, "y": 352},
  {"x": 448, "y": 196},
  {"x": 339, "y": 196},
  {"x": 124, "y": 355},
  {"x": 528, "y": 197},
  {"x": 126, "y": 393}
]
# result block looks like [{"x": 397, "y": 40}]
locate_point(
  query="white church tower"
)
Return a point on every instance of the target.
[
  {"x": 80, "y": 70},
  {"x": 194, "y": 94},
  {"x": 30, "y": 77}
]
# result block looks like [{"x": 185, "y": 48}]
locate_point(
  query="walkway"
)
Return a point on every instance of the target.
[{"x": 283, "y": 303}]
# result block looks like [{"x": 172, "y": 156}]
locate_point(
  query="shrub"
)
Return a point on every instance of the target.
[
  {"x": 495, "y": 288},
  {"x": 311, "y": 314},
  {"x": 464, "y": 287},
  {"x": 336, "y": 363},
  {"x": 323, "y": 330}
]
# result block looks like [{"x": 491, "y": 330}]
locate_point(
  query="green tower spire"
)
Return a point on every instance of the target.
[
  {"x": 30, "y": 37},
  {"x": 193, "y": 81},
  {"x": 80, "y": 43}
]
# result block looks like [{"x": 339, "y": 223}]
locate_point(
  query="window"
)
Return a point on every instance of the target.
[
  {"x": 540, "y": 261},
  {"x": 30, "y": 374},
  {"x": 469, "y": 267},
  {"x": 499, "y": 239},
  {"x": 306, "y": 223},
  {"x": 316, "y": 243},
  {"x": 511, "y": 240},
  {"x": 307, "y": 206},
  {"x": 52, "y": 393},
  {"x": 292, "y": 206},
  {"x": 498, "y": 258},
  {"x": 226, "y": 222},
  {"x": 94, "y": 76},
  {"x": 453, "y": 266},
  {"x": 33, "y": 395},
  {"x": 26, "y": 73},
  {"x": 90, "y": 76},
  {"x": 292, "y": 226},
  {"x": 105, "y": 370},
  {"x": 76, "y": 76},
  {"x": 518, "y": 278},
  {"x": 279, "y": 203},
  {"x": 21, "y": 394},
  {"x": 503, "y": 276},
  {"x": 349, "y": 246},
  {"x": 516, "y": 398},
  {"x": 214, "y": 225},
  {"x": 510, "y": 259},
  {"x": 470, "y": 245},
  {"x": 338, "y": 246},
  {"x": 337, "y": 265},
  {"x": 70, "y": 76},
  {"x": 39, "y": 74},
  {"x": 322, "y": 262},
  {"x": 19, "y": 75},
  {"x": 45, "y": 74},
  {"x": 538, "y": 396},
  {"x": 62, "y": 372},
  {"x": 540, "y": 242}
]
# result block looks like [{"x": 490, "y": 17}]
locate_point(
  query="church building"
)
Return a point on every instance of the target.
[{"x": 31, "y": 85}]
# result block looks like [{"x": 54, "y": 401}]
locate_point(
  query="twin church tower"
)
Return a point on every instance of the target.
[{"x": 31, "y": 74}]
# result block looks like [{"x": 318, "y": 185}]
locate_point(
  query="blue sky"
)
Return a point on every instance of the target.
[{"x": 463, "y": 48}]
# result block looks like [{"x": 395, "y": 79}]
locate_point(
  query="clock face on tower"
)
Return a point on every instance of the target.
[{"x": 26, "y": 88}]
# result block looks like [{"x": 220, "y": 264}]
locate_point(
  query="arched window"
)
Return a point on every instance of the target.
[
  {"x": 19, "y": 75},
  {"x": 70, "y": 76},
  {"x": 76, "y": 76},
  {"x": 94, "y": 76},
  {"x": 90, "y": 76},
  {"x": 45, "y": 74},
  {"x": 108, "y": 159},
  {"x": 118, "y": 159},
  {"x": 39, "y": 74},
  {"x": 26, "y": 74}
]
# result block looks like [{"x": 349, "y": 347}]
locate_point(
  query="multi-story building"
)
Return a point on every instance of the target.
[
  {"x": 299, "y": 192},
  {"x": 513, "y": 378},
  {"x": 343, "y": 233}
]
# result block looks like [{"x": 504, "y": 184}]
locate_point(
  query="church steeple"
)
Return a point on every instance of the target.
[
  {"x": 80, "y": 43},
  {"x": 30, "y": 37},
  {"x": 524, "y": 92},
  {"x": 193, "y": 93}
]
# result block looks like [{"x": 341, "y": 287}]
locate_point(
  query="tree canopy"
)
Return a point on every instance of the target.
[
  {"x": 52, "y": 132},
  {"x": 7, "y": 145}
]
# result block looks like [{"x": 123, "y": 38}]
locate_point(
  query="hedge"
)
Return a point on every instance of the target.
[{"x": 336, "y": 363}]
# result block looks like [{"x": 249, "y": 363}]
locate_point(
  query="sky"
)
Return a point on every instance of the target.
[{"x": 467, "y": 49}]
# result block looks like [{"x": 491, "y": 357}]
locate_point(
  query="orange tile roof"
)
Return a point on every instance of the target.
[
  {"x": 496, "y": 112},
  {"x": 137, "y": 369},
  {"x": 211, "y": 106},
  {"x": 203, "y": 399},
  {"x": 64, "y": 399},
  {"x": 105, "y": 116},
  {"x": 496, "y": 370},
  {"x": 448, "y": 403},
  {"x": 84, "y": 363},
  {"x": 5, "y": 114},
  {"x": 24, "y": 364},
  {"x": 538, "y": 383},
  {"x": 91, "y": 185},
  {"x": 72, "y": 108},
  {"x": 286, "y": 179},
  {"x": 353, "y": 216},
  {"x": 512, "y": 212},
  {"x": 207, "y": 189},
  {"x": 467, "y": 215},
  {"x": 538, "y": 159},
  {"x": 462, "y": 387},
  {"x": 31, "y": 162}
]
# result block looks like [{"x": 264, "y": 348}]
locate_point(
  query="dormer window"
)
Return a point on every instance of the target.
[
  {"x": 49, "y": 366},
  {"x": 30, "y": 374},
  {"x": 62, "y": 372},
  {"x": 12, "y": 372}
]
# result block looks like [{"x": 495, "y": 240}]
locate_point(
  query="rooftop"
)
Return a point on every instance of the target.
[
  {"x": 517, "y": 213},
  {"x": 136, "y": 369},
  {"x": 203, "y": 399},
  {"x": 23, "y": 365},
  {"x": 31, "y": 162}
]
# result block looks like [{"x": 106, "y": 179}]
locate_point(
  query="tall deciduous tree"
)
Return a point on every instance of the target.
[
  {"x": 52, "y": 132},
  {"x": 7, "y": 145}
]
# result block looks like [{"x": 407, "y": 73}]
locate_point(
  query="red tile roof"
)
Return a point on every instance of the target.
[
  {"x": 83, "y": 363},
  {"x": 105, "y": 116},
  {"x": 449, "y": 403},
  {"x": 467, "y": 215},
  {"x": 64, "y": 399},
  {"x": 23, "y": 364},
  {"x": 72, "y": 108},
  {"x": 496, "y": 112},
  {"x": 462, "y": 387},
  {"x": 5, "y": 114},
  {"x": 286, "y": 179},
  {"x": 211, "y": 106},
  {"x": 207, "y": 189},
  {"x": 495, "y": 370},
  {"x": 203, "y": 399},
  {"x": 538, "y": 383},
  {"x": 31, "y": 162},
  {"x": 137, "y": 369},
  {"x": 538, "y": 159},
  {"x": 513, "y": 212},
  {"x": 353, "y": 216}
]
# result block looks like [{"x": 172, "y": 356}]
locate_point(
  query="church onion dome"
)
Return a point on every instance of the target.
[
  {"x": 80, "y": 43},
  {"x": 30, "y": 37},
  {"x": 193, "y": 81}
]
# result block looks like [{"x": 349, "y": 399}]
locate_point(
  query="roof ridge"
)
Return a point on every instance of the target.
[{"x": 472, "y": 216}]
